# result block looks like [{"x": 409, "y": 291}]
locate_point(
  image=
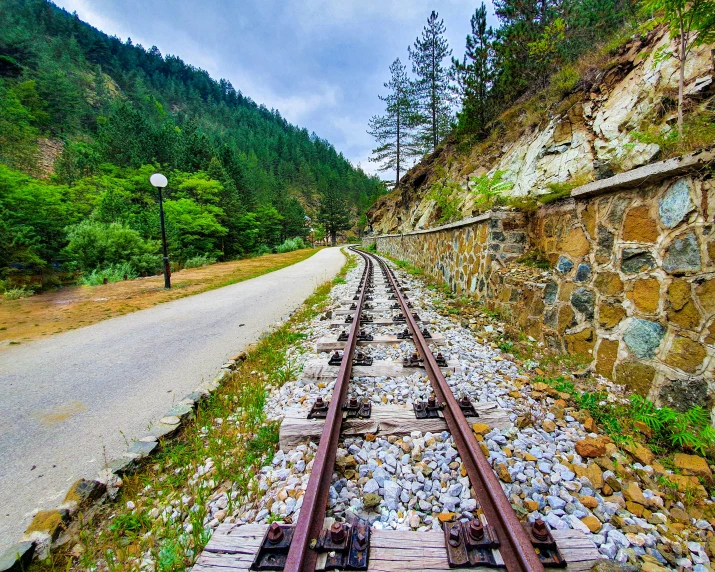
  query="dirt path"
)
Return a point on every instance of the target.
[{"x": 77, "y": 306}]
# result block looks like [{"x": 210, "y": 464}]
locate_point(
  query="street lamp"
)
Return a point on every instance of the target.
[{"x": 159, "y": 181}]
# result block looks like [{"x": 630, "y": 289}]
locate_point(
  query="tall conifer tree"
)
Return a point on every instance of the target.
[
  {"x": 393, "y": 131},
  {"x": 432, "y": 83},
  {"x": 473, "y": 74},
  {"x": 333, "y": 212}
]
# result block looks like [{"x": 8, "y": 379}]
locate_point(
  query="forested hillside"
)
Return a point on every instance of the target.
[{"x": 86, "y": 118}]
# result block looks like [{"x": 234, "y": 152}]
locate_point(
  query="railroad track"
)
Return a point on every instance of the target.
[{"x": 493, "y": 537}]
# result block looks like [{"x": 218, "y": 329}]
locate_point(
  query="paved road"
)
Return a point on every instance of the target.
[{"x": 69, "y": 400}]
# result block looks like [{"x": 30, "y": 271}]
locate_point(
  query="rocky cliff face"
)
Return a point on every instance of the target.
[{"x": 586, "y": 136}]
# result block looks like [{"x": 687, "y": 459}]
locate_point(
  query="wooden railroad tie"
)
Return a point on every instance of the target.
[
  {"x": 319, "y": 369},
  {"x": 329, "y": 344},
  {"x": 296, "y": 428},
  {"x": 376, "y": 322},
  {"x": 233, "y": 548}
]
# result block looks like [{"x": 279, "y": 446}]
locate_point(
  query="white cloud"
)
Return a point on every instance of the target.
[
  {"x": 295, "y": 107},
  {"x": 179, "y": 42},
  {"x": 87, "y": 12},
  {"x": 321, "y": 63}
]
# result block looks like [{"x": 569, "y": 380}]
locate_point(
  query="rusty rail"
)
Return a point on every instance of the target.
[
  {"x": 301, "y": 557},
  {"x": 516, "y": 548}
]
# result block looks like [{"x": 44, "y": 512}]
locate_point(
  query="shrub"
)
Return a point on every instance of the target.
[
  {"x": 446, "y": 195},
  {"x": 263, "y": 249},
  {"x": 672, "y": 430},
  {"x": 698, "y": 133},
  {"x": 690, "y": 430},
  {"x": 489, "y": 191},
  {"x": 17, "y": 293},
  {"x": 149, "y": 263},
  {"x": 198, "y": 261},
  {"x": 113, "y": 273},
  {"x": 290, "y": 244},
  {"x": 95, "y": 244},
  {"x": 563, "y": 81}
]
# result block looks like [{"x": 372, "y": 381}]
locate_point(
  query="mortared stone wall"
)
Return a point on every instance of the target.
[{"x": 631, "y": 283}]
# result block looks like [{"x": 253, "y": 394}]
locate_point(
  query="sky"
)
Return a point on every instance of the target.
[{"x": 321, "y": 63}]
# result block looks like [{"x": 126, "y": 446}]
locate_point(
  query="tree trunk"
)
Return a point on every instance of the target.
[
  {"x": 434, "y": 96},
  {"x": 434, "y": 126},
  {"x": 397, "y": 178},
  {"x": 333, "y": 237},
  {"x": 681, "y": 80}
]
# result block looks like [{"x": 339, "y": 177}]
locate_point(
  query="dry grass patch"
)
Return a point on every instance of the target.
[{"x": 69, "y": 308}]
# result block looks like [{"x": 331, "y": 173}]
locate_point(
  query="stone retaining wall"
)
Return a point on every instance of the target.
[
  {"x": 462, "y": 254},
  {"x": 631, "y": 284}
]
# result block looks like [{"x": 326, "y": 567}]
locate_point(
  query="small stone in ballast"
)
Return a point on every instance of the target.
[{"x": 371, "y": 500}]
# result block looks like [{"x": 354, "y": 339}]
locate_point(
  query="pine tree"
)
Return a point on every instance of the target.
[
  {"x": 333, "y": 212},
  {"x": 432, "y": 83},
  {"x": 393, "y": 131},
  {"x": 473, "y": 74},
  {"x": 693, "y": 24},
  {"x": 523, "y": 24}
]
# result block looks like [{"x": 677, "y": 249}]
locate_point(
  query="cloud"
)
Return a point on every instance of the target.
[
  {"x": 86, "y": 11},
  {"x": 295, "y": 107},
  {"x": 321, "y": 63},
  {"x": 148, "y": 34}
]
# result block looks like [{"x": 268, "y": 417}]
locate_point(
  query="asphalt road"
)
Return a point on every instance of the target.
[{"x": 72, "y": 400}]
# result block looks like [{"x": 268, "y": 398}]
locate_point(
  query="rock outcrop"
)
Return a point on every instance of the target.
[{"x": 589, "y": 135}]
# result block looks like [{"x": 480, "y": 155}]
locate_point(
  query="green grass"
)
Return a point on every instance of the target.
[
  {"x": 535, "y": 259},
  {"x": 17, "y": 293},
  {"x": 409, "y": 267},
  {"x": 114, "y": 273},
  {"x": 198, "y": 261},
  {"x": 506, "y": 346},
  {"x": 290, "y": 244},
  {"x": 698, "y": 133}
]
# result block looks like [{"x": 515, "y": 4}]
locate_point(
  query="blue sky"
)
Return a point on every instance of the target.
[{"x": 321, "y": 63}]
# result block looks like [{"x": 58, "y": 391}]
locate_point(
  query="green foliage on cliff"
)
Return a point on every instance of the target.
[
  {"x": 489, "y": 191},
  {"x": 446, "y": 195},
  {"x": 532, "y": 49}
]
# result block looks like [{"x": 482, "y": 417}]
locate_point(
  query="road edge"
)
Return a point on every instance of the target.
[{"x": 47, "y": 526}]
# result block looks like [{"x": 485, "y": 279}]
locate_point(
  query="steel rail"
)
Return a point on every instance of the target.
[
  {"x": 516, "y": 549},
  {"x": 301, "y": 556}
]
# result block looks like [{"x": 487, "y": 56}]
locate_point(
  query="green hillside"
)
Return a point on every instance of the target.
[{"x": 106, "y": 114}]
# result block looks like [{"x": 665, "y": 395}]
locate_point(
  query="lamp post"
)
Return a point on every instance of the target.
[{"x": 159, "y": 181}]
